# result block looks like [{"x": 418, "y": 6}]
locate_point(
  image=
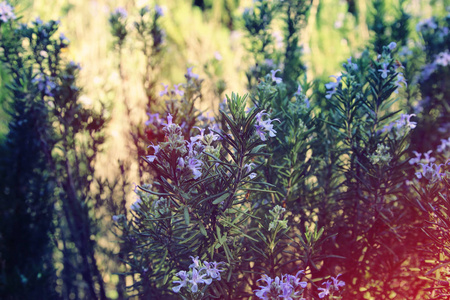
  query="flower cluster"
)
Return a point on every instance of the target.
[
  {"x": 332, "y": 86},
  {"x": 331, "y": 287},
  {"x": 6, "y": 12},
  {"x": 45, "y": 85},
  {"x": 431, "y": 172},
  {"x": 248, "y": 169},
  {"x": 190, "y": 153},
  {"x": 441, "y": 60},
  {"x": 286, "y": 287},
  {"x": 199, "y": 273},
  {"x": 349, "y": 66},
  {"x": 426, "y": 24},
  {"x": 121, "y": 12},
  {"x": 428, "y": 168},
  {"x": 276, "y": 222},
  {"x": 400, "y": 127},
  {"x": 118, "y": 22},
  {"x": 418, "y": 159},
  {"x": 175, "y": 92},
  {"x": 381, "y": 155},
  {"x": 264, "y": 126}
]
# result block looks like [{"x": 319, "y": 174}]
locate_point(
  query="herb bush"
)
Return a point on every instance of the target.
[{"x": 297, "y": 189}]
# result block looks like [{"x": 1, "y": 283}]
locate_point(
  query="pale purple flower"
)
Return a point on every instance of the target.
[
  {"x": 427, "y": 71},
  {"x": 274, "y": 78},
  {"x": 162, "y": 93},
  {"x": 153, "y": 118},
  {"x": 400, "y": 79},
  {"x": 384, "y": 71},
  {"x": 428, "y": 158},
  {"x": 296, "y": 280},
  {"x": 445, "y": 143},
  {"x": 264, "y": 126},
  {"x": 287, "y": 287},
  {"x": 169, "y": 120},
  {"x": 6, "y": 12},
  {"x": 121, "y": 12},
  {"x": 269, "y": 62},
  {"x": 196, "y": 279},
  {"x": 286, "y": 291},
  {"x": 249, "y": 109},
  {"x": 159, "y": 11},
  {"x": 135, "y": 187},
  {"x": 351, "y": 65},
  {"x": 44, "y": 84},
  {"x": 136, "y": 205},
  {"x": 332, "y": 86},
  {"x": 264, "y": 290},
  {"x": 217, "y": 56},
  {"x": 325, "y": 291},
  {"x": 63, "y": 39},
  {"x": 190, "y": 75},
  {"x": 116, "y": 218},
  {"x": 191, "y": 146},
  {"x": 248, "y": 167},
  {"x": 195, "y": 262},
  {"x": 392, "y": 46},
  {"x": 407, "y": 120},
  {"x": 404, "y": 52},
  {"x": 214, "y": 136},
  {"x": 194, "y": 164},
  {"x": 75, "y": 65},
  {"x": 416, "y": 159},
  {"x": 183, "y": 282},
  {"x": 201, "y": 136},
  {"x": 177, "y": 91},
  {"x": 442, "y": 59},
  {"x": 299, "y": 90},
  {"x": 337, "y": 283},
  {"x": 206, "y": 118},
  {"x": 212, "y": 269},
  {"x": 151, "y": 158},
  {"x": 430, "y": 171},
  {"x": 426, "y": 24},
  {"x": 38, "y": 21},
  {"x": 260, "y": 133},
  {"x": 180, "y": 162}
]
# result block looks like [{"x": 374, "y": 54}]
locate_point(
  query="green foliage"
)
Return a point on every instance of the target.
[
  {"x": 433, "y": 109},
  {"x": 50, "y": 151},
  {"x": 283, "y": 191},
  {"x": 267, "y": 55}
]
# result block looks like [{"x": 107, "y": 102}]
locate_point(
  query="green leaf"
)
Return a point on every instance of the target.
[
  {"x": 221, "y": 198},
  {"x": 186, "y": 215},
  {"x": 202, "y": 229},
  {"x": 239, "y": 230}
]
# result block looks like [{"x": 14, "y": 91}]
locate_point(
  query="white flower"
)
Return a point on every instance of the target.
[
  {"x": 6, "y": 12},
  {"x": 274, "y": 78}
]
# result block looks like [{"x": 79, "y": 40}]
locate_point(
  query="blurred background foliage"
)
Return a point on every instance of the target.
[
  {"x": 199, "y": 34},
  {"x": 197, "y": 31}
]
